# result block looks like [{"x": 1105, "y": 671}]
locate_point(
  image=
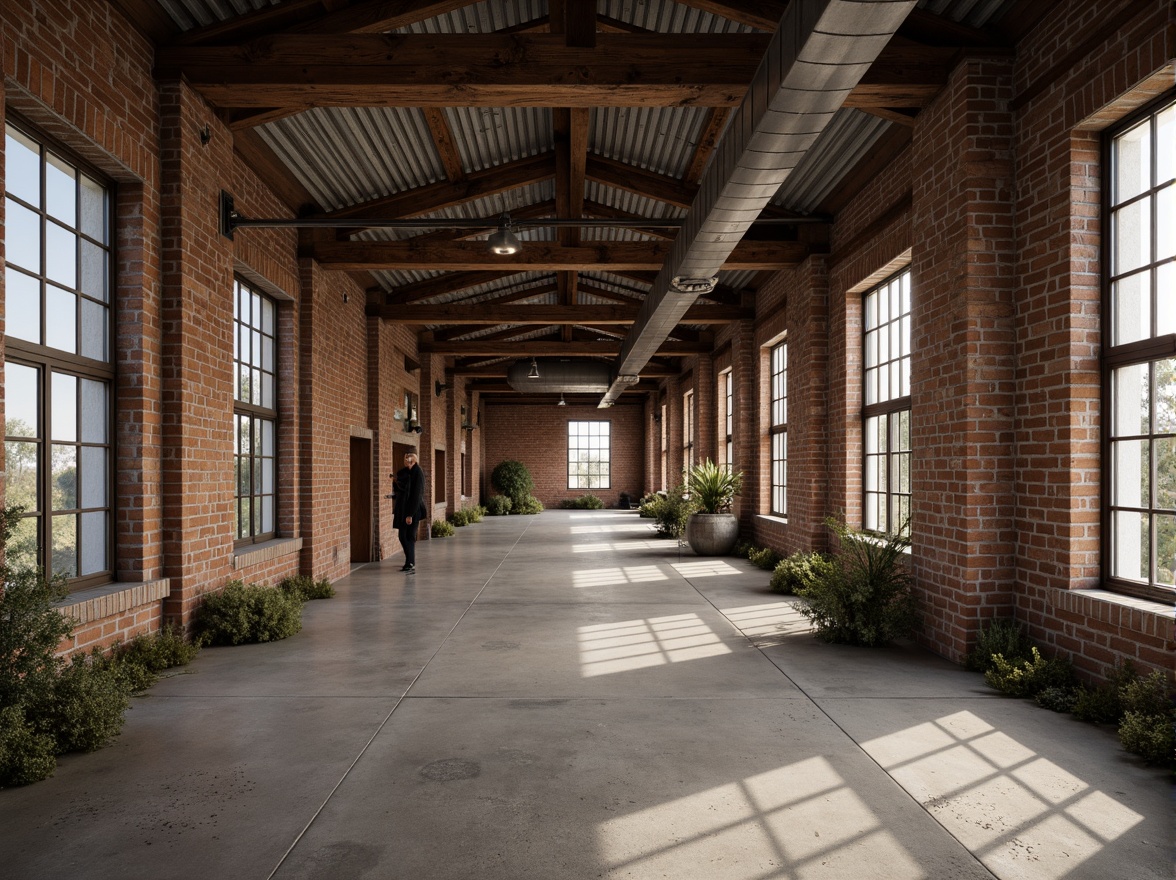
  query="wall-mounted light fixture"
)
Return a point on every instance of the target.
[
  {"x": 562, "y": 402},
  {"x": 439, "y": 387},
  {"x": 205, "y": 136}
]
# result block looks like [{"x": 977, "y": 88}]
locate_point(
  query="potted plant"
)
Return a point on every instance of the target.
[{"x": 713, "y": 530}]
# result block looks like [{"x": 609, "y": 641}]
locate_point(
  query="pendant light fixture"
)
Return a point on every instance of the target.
[{"x": 504, "y": 242}]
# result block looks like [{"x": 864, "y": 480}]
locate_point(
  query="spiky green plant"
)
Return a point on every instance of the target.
[{"x": 713, "y": 487}]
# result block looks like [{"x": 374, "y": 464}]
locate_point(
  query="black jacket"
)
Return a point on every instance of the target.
[{"x": 410, "y": 497}]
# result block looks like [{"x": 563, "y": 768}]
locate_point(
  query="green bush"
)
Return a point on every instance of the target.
[
  {"x": 1001, "y": 636},
  {"x": 801, "y": 571},
  {"x": 1147, "y": 696},
  {"x": 85, "y": 708},
  {"x": 26, "y": 756},
  {"x": 476, "y": 513},
  {"x": 645, "y": 505},
  {"x": 763, "y": 557},
  {"x": 1104, "y": 704},
  {"x": 512, "y": 479},
  {"x": 670, "y": 511},
  {"x": 140, "y": 660},
  {"x": 529, "y": 506},
  {"x": 442, "y": 529},
  {"x": 1153, "y": 737},
  {"x": 1027, "y": 678},
  {"x": 242, "y": 613},
  {"x": 460, "y": 518},
  {"x": 1057, "y": 699},
  {"x": 306, "y": 587},
  {"x": 869, "y": 599},
  {"x": 584, "y": 502},
  {"x": 498, "y": 505}
]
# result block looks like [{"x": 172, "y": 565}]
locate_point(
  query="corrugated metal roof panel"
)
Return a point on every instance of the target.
[
  {"x": 660, "y": 139},
  {"x": 345, "y": 156},
  {"x": 837, "y": 150},
  {"x": 190, "y": 14},
  {"x": 973, "y": 13},
  {"x": 489, "y": 136},
  {"x": 480, "y": 18},
  {"x": 667, "y": 17}
]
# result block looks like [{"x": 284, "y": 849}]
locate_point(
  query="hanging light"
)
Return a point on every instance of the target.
[
  {"x": 534, "y": 374},
  {"x": 562, "y": 402},
  {"x": 503, "y": 242}
]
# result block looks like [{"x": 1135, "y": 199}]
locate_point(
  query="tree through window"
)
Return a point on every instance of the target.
[{"x": 588, "y": 455}]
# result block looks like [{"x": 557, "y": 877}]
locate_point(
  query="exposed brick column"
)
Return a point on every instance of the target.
[
  {"x": 962, "y": 384},
  {"x": 673, "y": 427},
  {"x": 197, "y": 397},
  {"x": 652, "y": 434},
  {"x": 745, "y": 447},
  {"x": 705, "y": 412}
]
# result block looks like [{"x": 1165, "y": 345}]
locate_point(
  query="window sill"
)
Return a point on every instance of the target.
[
  {"x": 109, "y": 600},
  {"x": 774, "y": 520},
  {"x": 255, "y": 554},
  {"x": 1144, "y": 616}
]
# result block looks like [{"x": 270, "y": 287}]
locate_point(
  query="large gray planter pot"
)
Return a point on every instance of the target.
[{"x": 712, "y": 534}]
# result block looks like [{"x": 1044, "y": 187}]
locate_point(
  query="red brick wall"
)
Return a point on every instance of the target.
[{"x": 537, "y": 436}]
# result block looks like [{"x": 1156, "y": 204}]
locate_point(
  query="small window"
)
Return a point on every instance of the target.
[
  {"x": 726, "y": 386},
  {"x": 779, "y": 428},
  {"x": 588, "y": 455},
  {"x": 255, "y": 414},
  {"x": 887, "y": 423},
  {"x": 688, "y": 430}
]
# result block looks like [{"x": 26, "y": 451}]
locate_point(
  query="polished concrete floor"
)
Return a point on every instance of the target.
[{"x": 567, "y": 696}]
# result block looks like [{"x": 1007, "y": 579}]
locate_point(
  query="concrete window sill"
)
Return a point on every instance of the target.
[
  {"x": 255, "y": 554},
  {"x": 108, "y": 600}
]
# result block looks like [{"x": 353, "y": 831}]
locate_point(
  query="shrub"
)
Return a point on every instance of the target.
[
  {"x": 85, "y": 708},
  {"x": 26, "y": 756},
  {"x": 763, "y": 557},
  {"x": 743, "y": 549},
  {"x": 498, "y": 505},
  {"x": 140, "y": 660},
  {"x": 869, "y": 599},
  {"x": 306, "y": 587},
  {"x": 1027, "y": 678},
  {"x": 513, "y": 480},
  {"x": 1150, "y": 736},
  {"x": 240, "y": 614},
  {"x": 459, "y": 518},
  {"x": 1001, "y": 636},
  {"x": 645, "y": 505},
  {"x": 1147, "y": 696},
  {"x": 529, "y": 506},
  {"x": 476, "y": 513},
  {"x": 442, "y": 529},
  {"x": 670, "y": 512},
  {"x": 1104, "y": 704},
  {"x": 1057, "y": 699},
  {"x": 584, "y": 502},
  {"x": 801, "y": 571}
]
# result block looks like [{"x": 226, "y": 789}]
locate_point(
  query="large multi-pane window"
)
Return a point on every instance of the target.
[
  {"x": 255, "y": 414},
  {"x": 1141, "y": 352},
  {"x": 887, "y": 410},
  {"x": 727, "y": 387},
  {"x": 778, "y": 363},
  {"x": 58, "y": 373},
  {"x": 588, "y": 455},
  {"x": 688, "y": 430}
]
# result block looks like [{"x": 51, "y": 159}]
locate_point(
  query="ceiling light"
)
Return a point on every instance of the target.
[
  {"x": 562, "y": 402},
  {"x": 534, "y": 374},
  {"x": 503, "y": 242}
]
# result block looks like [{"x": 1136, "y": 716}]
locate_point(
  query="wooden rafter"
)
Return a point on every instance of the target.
[
  {"x": 465, "y": 256},
  {"x": 445, "y": 143},
  {"x": 546, "y": 348},
  {"x": 492, "y": 313}
]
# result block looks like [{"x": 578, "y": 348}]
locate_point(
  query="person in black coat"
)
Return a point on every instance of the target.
[{"x": 408, "y": 507}]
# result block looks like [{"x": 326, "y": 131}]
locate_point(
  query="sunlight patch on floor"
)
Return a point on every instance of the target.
[
  {"x": 606, "y": 577},
  {"x": 799, "y": 821},
  {"x": 607, "y": 528},
  {"x": 999, "y": 797},
  {"x": 605, "y": 547},
  {"x": 608, "y": 648},
  {"x": 772, "y": 619},
  {"x": 705, "y": 568}
]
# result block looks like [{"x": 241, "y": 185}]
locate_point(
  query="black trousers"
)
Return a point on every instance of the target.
[{"x": 407, "y": 537}]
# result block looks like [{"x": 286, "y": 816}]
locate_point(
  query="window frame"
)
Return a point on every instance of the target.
[
  {"x": 688, "y": 430},
  {"x": 728, "y": 391},
  {"x": 889, "y": 510},
  {"x": 606, "y": 483},
  {"x": 1154, "y": 349},
  {"x": 49, "y": 361},
  {"x": 778, "y": 429},
  {"x": 257, "y": 415}
]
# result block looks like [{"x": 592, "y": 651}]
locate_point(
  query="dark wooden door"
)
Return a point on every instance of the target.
[{"x": 361, "y": 499}]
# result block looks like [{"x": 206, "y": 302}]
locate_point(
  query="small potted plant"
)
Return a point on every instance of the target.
[{"x": 713, "y": 530}]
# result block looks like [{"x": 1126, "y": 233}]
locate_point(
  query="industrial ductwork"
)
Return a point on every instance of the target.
[
  {"x": 818, "y": 54},
  {"x": 560, "y": 376}
]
